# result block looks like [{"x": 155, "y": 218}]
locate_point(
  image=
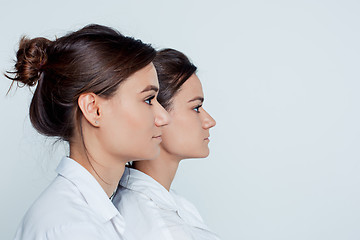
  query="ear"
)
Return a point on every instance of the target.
[{"x": 90, "y": 108}]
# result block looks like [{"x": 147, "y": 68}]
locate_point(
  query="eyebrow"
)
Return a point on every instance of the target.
[
  {"x": 150, "y": 88},
  {"x": 197, "y": 98}
]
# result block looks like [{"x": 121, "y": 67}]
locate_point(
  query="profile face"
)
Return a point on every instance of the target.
[
  {"x": 187, "y": 135},
  {"x": 133, "y": 119}
]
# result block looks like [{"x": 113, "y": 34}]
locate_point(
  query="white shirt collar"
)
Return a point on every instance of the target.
[
  {"x": 142, "y": 183},
  {"x": 188, "y": 212},
  {"x": 91, "y": 190}
]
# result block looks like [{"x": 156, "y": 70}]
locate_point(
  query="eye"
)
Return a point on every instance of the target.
[
  {"x": 149, "y": 99},
  {"x": 197, "y": 108}
]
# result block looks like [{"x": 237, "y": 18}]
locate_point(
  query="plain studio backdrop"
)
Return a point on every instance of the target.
[{"x": 280, "y": 77}]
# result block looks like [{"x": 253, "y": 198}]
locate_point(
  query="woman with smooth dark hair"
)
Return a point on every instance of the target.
[
  {"x": 95, "y": 89},
  {"x": 150, "y": 208}
]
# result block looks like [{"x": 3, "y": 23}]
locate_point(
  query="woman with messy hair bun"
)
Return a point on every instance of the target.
[
  {"x": 151, "y": 209},
  {"x": 95, "y": 89}
]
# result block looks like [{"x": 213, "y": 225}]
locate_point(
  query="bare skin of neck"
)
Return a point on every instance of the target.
[
  {"x": 107, "y": 172},
  {"x": 162, "y": 169}
]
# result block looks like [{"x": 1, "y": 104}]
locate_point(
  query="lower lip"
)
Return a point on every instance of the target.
[{"x": 158, "y": 138}]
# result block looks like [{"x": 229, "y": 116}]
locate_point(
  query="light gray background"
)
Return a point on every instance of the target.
[{"x": 280, "y": 77}]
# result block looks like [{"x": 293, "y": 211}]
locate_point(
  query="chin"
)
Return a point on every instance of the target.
[
  {"x": 150, "y": 155},
  {"x": 157, "y": 153},
  {"x": 206, "y": 152},
  {"x": 202, "y": 154},
  {"x": 154, "y": 154},
  {"x": 205, "y": 155}
]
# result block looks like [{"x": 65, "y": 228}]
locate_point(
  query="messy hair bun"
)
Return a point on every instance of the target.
[{"x": 31, "y": 57}]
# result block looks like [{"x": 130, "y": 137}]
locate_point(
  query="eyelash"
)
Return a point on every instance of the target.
[
  {"x": 197, "y": 108},
  {"x": 149, "y": 99}
]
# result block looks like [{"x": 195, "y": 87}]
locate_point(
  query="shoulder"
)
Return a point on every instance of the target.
[{"x": 60, "y": 207}]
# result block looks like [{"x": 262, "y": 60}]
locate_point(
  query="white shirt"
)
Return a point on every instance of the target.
[
  {"x": 74, "y": 206},
  {"x": 151, "y": 212}
]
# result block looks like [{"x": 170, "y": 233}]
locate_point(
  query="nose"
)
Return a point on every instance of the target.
[
  {"x": 162, "y": 117},
  {"x": 208, "y": 121}
]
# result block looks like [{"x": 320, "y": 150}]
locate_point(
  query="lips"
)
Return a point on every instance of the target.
[{"x": 158, "y": 137}]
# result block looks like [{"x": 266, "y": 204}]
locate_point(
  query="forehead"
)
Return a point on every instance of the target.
[
  {"x": 141, "y": 79},
  {"x": 191, "y": 88}
]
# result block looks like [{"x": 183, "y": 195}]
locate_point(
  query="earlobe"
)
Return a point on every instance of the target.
[{"x": 90, "y": 108}]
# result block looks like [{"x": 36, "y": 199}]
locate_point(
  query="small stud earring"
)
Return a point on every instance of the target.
[{"x": 96, "y": 122}]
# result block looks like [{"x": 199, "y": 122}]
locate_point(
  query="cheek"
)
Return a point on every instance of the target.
[
  {"x": 137, "y": 122},
  {"x": 129, "y": 127},
  {"x": 184, "y": 137}
]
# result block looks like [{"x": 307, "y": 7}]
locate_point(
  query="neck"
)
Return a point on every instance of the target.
[
  {"x": 105, "y": 170},
  {"x": 162, "y": 169}
]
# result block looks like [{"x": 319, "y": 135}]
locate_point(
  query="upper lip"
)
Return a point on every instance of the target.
[
  {"x": 157, "y": 136},
  {"x": 207, "y": 137}
]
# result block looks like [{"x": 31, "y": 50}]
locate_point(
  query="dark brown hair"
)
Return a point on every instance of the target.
[
  {"x": 173, "y": 69},
  {"x": 93, "y": 59}
]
